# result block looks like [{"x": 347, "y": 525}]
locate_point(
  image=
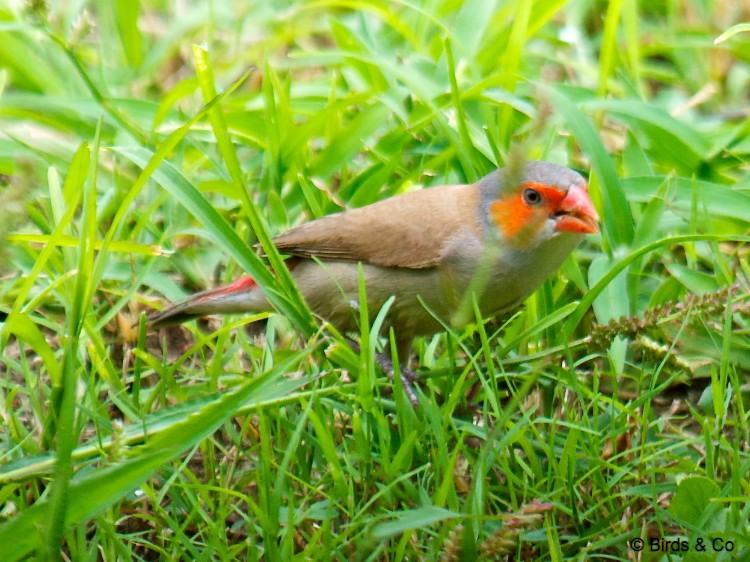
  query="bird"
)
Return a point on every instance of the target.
[{"x": 434, "y": 250}]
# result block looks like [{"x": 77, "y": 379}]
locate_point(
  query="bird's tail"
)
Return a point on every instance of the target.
[{"x": 243, "y": 295}]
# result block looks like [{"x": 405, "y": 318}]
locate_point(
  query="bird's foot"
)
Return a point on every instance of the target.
[{"x": 408, "y": 377}]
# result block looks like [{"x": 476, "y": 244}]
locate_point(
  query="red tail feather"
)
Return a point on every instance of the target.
[{"x": 218, "y": 300}]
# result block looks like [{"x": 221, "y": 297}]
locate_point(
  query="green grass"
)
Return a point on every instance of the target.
[{"x": 146, "y": 150}]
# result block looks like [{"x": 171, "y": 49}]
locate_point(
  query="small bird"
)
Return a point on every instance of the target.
[{"x": 433, "y": 250}]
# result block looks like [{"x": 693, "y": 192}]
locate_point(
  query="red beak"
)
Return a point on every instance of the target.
[{"x": 576, "y": 213}]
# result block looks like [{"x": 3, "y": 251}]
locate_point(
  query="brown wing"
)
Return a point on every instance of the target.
[{"x": 409, "y": 230}]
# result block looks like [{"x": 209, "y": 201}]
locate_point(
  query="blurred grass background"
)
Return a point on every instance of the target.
[{"x": 145, "y": 147}]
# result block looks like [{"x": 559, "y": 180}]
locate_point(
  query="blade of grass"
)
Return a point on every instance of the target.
[
  {"x": 577, "y": 315},
  {"x": 95, "y": 490},
  {"x": 64, "y": 400},
  {"x": 292, "y": 301},
  {"x": 618, "y": 225}
]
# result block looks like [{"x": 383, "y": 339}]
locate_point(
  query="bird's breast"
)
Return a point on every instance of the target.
[
  {"x": 498, "y": 278},
  {"x": 501, "y": 277}
]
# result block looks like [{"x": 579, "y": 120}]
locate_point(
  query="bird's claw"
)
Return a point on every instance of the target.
[{"x": 408, "y": 377}]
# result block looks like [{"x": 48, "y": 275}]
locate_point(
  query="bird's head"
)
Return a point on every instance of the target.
[{"x": 542, "y": 199}]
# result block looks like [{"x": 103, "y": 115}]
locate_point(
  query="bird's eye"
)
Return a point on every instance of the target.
[{"x": 532, "y": 197}]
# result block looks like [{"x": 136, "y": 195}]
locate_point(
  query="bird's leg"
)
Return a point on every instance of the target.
[{"x": 408, "y": 377}]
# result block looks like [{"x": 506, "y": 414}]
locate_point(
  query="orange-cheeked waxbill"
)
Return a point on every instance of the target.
[{"x": 498, "y": 238}]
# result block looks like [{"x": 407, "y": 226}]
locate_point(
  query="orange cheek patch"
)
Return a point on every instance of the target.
[
  {"x": 511, "y": 216},
  {"x": 518, "y": 223}
]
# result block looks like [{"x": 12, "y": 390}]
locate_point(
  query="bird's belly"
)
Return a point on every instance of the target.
[
  {"x": 424, "y": 299},
  {"x": 331, "y": 289},
  {"x": 502, "y": 281},
  {"x": 422, "y": 296}
]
